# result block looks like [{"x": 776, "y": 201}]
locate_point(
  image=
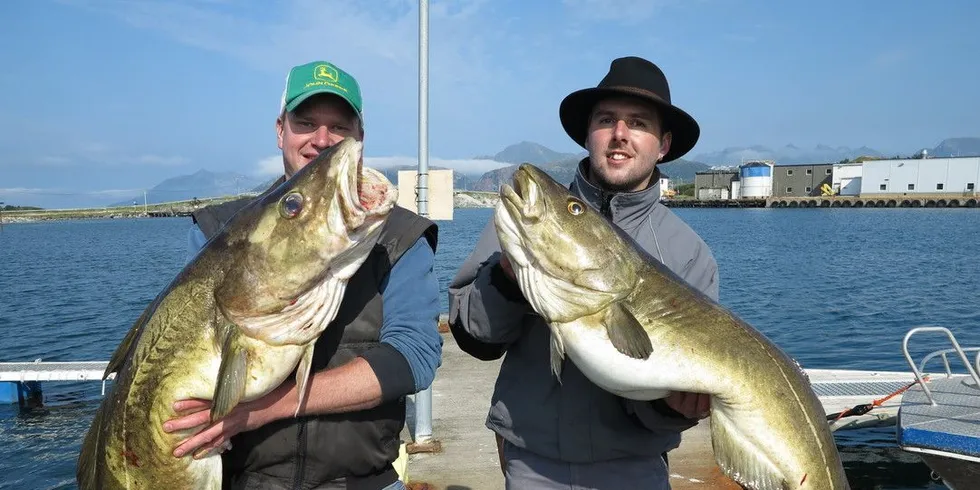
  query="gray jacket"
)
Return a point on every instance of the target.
[{"x": 575, "y": 421}]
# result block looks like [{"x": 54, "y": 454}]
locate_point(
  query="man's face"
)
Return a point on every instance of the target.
[
  {"x": 625, "y": 142},
  {"x": 317, "y": 124}
]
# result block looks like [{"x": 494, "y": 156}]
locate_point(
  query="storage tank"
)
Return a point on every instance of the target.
[{"x": 756, "y": 180}]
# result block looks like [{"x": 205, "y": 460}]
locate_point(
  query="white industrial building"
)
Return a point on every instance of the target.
[
  {"x": 755, "y": 180},
  {"x": 664, "y": 185},
  {"x": 847, "y": 179},
  {"x": 947, "y": 176}
]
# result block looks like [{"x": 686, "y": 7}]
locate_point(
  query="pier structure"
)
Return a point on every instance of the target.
[
  {"x": 465, "y": 453},
  {"x": 875, "y": 201}
]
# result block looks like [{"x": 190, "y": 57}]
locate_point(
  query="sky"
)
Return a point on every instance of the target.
[{"x": 108, "y": 97}]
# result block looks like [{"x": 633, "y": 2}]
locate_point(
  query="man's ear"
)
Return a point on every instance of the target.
[
  {"x": 279, "y": 130},
  {"x": 665, "y": 145}
]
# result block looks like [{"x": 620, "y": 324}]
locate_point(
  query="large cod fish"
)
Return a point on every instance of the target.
[
  {"x": 236, "y": 321},
  {"x": 637, "y": 330}
]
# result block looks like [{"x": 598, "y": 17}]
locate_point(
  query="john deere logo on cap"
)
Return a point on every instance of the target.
[
  {"x": 319, "y": 77},
  {"x": 325, "y": 73}
]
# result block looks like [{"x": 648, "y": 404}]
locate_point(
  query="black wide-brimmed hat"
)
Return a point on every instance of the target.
[{"x": 636, "y": 77}]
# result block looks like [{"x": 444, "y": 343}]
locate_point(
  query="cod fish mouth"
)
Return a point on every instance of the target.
[
  {"x": 364, "y": 191},
  {"x": 365, "y": 197},
  {"x": 523, "y": 197}
]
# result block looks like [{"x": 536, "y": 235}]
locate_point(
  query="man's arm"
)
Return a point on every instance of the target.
[
  {"x": 411, "y": 349},
  {"x": 486, "y": 307},
  {"x": 405, "y": 363}
]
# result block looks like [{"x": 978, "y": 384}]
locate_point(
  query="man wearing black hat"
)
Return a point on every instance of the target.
[{"x": 573, "y": 433}]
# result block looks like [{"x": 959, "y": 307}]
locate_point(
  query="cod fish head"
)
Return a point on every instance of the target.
[
  {"x": 296, "y": 247},
  {"x": 568, "y": 259}
]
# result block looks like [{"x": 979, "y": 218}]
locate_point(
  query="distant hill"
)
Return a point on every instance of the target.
[
  {"x": 564, "y": 172},
  {"x": 200, "y": 184},
  {"x": 957, "y": 147},
  {"x": 560, "y": 166},
  {"x": 529, "y": 152},
  {"x": 786, "y": 154},
  {"x": 951, "y": 147},
  {"x": 461, "y": 181}
]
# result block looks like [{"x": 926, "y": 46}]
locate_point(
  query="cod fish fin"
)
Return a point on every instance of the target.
[
  {"x": 231, "y": 377},
  {"x": 303, "y": 375},
  {"x": 740, "y": 460},
  {"x": 557, "y": 355},
  {"x": 626, "y": 333}
]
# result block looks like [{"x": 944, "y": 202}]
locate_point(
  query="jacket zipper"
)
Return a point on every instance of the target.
[
  {"x": 606, "y": 207},
  {"x": 300, "y": 456}
]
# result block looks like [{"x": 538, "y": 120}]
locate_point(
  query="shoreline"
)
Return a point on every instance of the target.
[
  {"x": 485, "y": 200},
  {"x": 461, "y": 200}
]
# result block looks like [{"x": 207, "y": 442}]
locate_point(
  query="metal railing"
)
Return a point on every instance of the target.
[{"x": 917, "y": 370}]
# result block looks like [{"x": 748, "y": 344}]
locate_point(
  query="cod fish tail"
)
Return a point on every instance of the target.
[{"x": 740, "y": 459}]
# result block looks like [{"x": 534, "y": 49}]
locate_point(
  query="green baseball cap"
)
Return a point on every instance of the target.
[{"x": 319, "y": 77}]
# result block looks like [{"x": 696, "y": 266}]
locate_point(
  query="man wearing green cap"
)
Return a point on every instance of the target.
[{"x": 347, "y": 435}]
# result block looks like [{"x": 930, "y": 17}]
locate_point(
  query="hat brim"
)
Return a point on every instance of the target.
[
  {"x": 293, "y": 104},
  {"x": 576, "y": 107}
]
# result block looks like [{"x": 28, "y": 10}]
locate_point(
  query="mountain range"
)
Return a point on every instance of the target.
[
  {"x": 200, "y": 184},
  {"x": 560, "y": 166},
  {"x": 951, "y": 147}
]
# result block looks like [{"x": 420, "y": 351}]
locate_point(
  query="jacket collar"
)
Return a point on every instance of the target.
[{"x": 626, "y": 209}]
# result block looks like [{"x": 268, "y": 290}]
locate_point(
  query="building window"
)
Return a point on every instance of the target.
[
  {"x": 789, "y": 189},
  {"x": 939, "y": 187},
  {"x": 911, "y": 187},
  {"x": 809, "y": 171},
  {"x": 969, "y": 186},
  {"x": 808, "y": 188},
  {"x": 827, "y": 172},
  {"x": 881, "y": 187},
  {"x": 789, "y": 172}
]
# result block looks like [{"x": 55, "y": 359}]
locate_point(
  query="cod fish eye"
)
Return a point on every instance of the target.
[
  {"x": 291, "y": 205},
  {"x": 576, "y": 208}
]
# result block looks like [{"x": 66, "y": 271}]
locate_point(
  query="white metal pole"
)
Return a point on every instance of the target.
[
  {"x": 423, "y": 167},
  {"x": 423, "y": 399}
]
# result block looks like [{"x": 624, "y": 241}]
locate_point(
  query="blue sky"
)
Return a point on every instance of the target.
[{"x": 100, "y": 98}]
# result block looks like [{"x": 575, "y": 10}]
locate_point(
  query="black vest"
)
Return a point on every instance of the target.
[{"x": 337, "y": 451}]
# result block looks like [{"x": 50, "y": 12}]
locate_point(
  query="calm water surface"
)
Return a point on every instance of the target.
[{"x": 835, "y": 288}]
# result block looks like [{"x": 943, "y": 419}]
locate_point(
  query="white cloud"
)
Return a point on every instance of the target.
[
  {"x": 272, "y": 165},
  {"x": 460, "y": 165},
  {"x": 477, "y": 53},
  {"x": 97, "y": 153},
  {"x": 269, "y": 166},
  {"x": 20, "y": 192}
]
